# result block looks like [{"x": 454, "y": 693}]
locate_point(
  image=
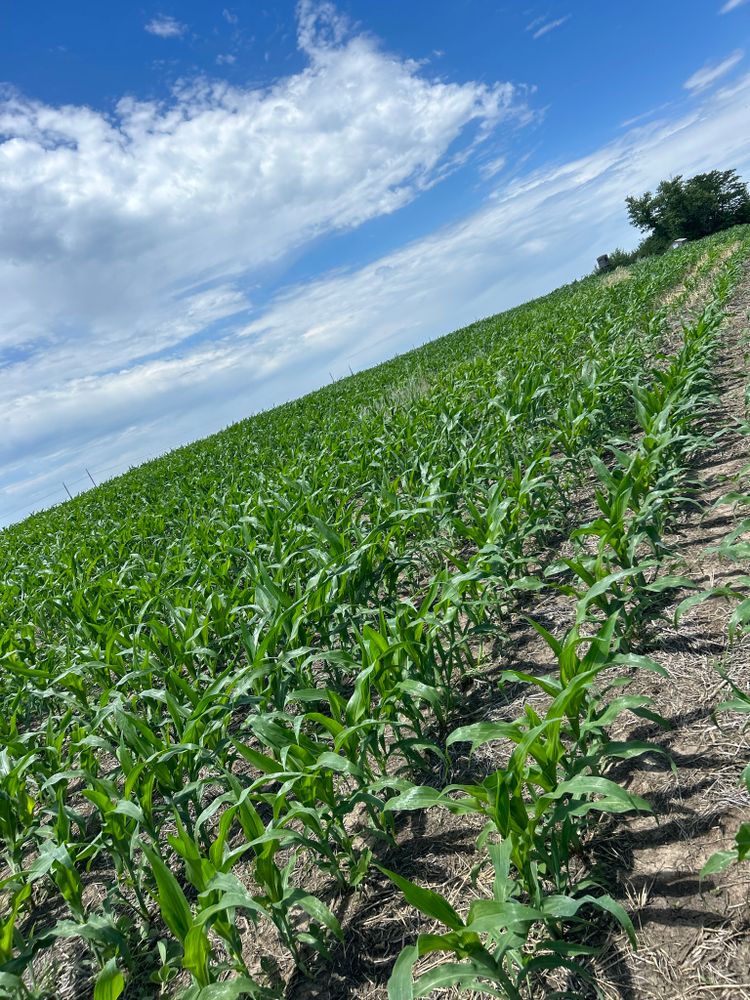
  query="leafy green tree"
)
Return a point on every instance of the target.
[
  {"x": 621, "y": 258},
  {"x": 692, "y": 208}
]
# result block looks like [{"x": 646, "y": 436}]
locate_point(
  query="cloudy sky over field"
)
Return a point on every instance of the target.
[{"x": 205, "y": 211}]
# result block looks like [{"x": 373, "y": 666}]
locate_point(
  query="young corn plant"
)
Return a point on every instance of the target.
[
  {"x": 536, "y": 807},
  {"x": 320, "y": 585}
]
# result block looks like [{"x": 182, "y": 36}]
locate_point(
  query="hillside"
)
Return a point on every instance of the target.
[{"x": 385, "y": 684}]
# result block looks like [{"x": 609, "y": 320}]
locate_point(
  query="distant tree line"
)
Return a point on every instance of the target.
[{"x": 685, "y": 209}]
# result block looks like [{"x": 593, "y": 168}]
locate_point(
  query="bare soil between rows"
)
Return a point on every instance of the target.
[{"x": 693, "y": 935}]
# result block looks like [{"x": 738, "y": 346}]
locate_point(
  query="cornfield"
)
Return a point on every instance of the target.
[{"x": 231, "y": 676}]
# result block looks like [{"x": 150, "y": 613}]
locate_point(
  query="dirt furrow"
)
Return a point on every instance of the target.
[{"x": 694, "y": 937}]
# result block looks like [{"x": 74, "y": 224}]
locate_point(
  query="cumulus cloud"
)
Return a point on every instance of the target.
[
  {"x": 128, "y": 317},
  {"x": 711, "y": 72},
  {"x": 129, "y": 240},
  {"x": 165, "y": 27},
  {"x": 531, "y": 235}
]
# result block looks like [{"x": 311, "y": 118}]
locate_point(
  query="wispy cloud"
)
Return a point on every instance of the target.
[
  {"x": 226, "y": 59},
  {"x": 644, "y": 115},
  {"x": 546, "y": 26},
  {"x": 731, "y": 5},
  {"x": 492, "y": 167},
  {"x": 165, "y": 26},
  {"x": 712, "y": 72},
  {"x": 484, "y": 258},
  {"x": 229, "y": 16}
]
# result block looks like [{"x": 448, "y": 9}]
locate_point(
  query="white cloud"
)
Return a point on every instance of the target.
[
  {"x": 165, "y": 27},
  {"x": 226, "y": 60},
  {"x": 229, "y": 16},
  {"x": 492, "y": 167},
  {"x": 321, "y": 27},
  {"x": 568, "y": 213},
  {"x": 126, "y": 244},
  {"x": 548, "y": 26},
  {"x": 645, "y": 114},
  {"x": 711, "y": 72},
  {"x": 530, "y": 236},
  {"x": 128, "y": 239},
  {"x": 731, "y": 5},
  {"x": 223, "y": 181}
]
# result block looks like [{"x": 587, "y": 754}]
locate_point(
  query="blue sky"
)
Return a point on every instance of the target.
[{"x": 207, "y": 209}]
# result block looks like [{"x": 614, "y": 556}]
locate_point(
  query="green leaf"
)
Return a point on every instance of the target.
[
  {"x": 337, "y": 763},
  {"x": 718, "y": 862},
  {"x": 695, "y": 599},
  {"x": 743, "y": 841},
  {"x": 554, "y": 644},
  {"x": 488, "y": 915},
  {"x": 741, "y": 704},
  {"x": 430, "y": 903},
  {"x": 173, "y": 905},
  {"x": 263, "y": 763},
  {"x": 470, "y": 974},
  {"x": 400, "y": 985},
  {"x": 646, "y": 713},
  {"x": 528, "y": 583},
  {"x": 603, "y": 585},
  {"x": 233, "y": 900},
  {"x": 424, "y": 797},
  {"x": 618, "y": 912},
  {"x": 564, "y": 907},
  {"x": 629, "y": 749},
  {"x": 614, "y": 798},
  {"x": 641, "y": 662},
  {"x": 242, "y": 986},
  {"x": 670, "y": 583},
  {"x": 549, "y": 685},
  {"x": 130, "y": 809},
  {"x": 316, "y": 909},
  {"x": 96, "y": 928},
  {"x": 740, "y": 617},
  {"x": 197, "y": 951},
  {"x": 603, "y": 473},
  {"x": 484, "y": 732},
  {"x": 109, "y": 983}
]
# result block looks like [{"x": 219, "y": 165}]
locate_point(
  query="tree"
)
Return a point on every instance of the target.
[{"x": 694, "y": 208}]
